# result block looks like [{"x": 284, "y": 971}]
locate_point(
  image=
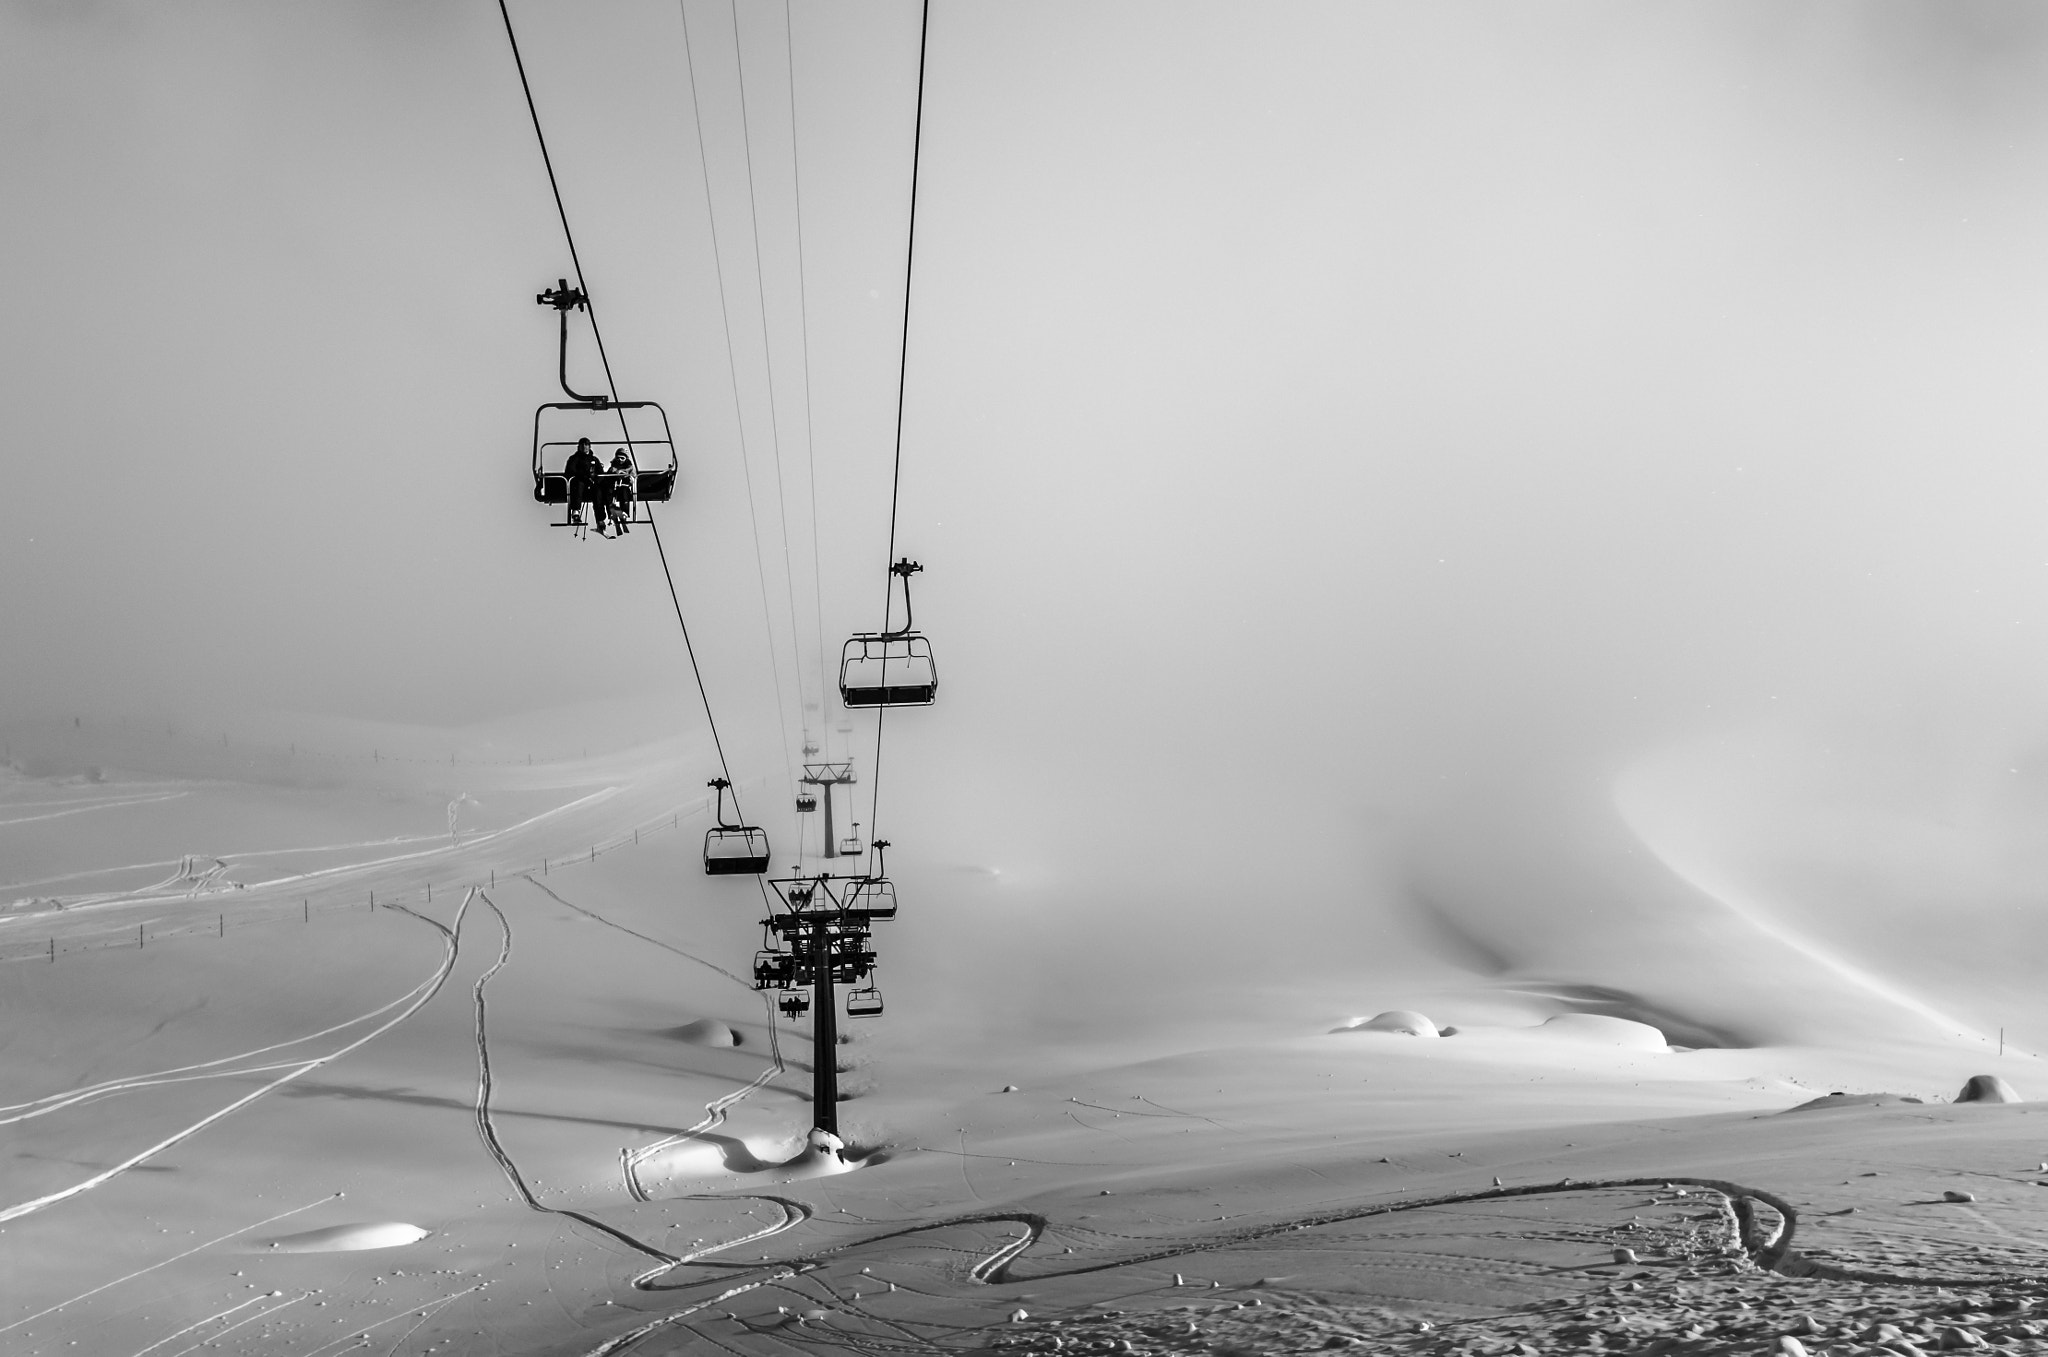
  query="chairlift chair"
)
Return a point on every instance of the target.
[
  {"x": 637, "y": 428},
  {"x": 889, "y": 668},
  {"x": 794, "y": 1003},
  {"x": 773, "y": 970},
  {"x": 864, "y": 1003},
  {"x": 872, "y": 897},
  {"x": 849, "y": 845},
  {"x": 806, "y": 802},
  {"x": 730, "y": 849}
]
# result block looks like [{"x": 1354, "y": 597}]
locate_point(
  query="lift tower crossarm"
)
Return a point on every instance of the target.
[
  {"x": 827, "y": 776},
  {"x": 828, "y": 945}
]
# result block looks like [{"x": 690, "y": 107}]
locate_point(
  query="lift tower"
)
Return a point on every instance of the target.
[
  {"x": 826, "y": 930},
  {"x": 826, "y": 776}
]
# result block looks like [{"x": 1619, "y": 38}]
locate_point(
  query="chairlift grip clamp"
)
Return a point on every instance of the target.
[{"x": 564, "y": 298}]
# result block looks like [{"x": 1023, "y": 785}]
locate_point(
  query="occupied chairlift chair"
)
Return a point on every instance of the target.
[
  {"x": 638, "y": 428},
  {"x": 733, "y": 850},
  {"x": 889, "y": 668},
  {"x": 794, "y": 1003},
  {"x": 806, "y": 802}
]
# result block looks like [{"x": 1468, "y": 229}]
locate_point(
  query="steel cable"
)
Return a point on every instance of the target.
[
  {"x": 661, "y": 551},
  {"x": 902, "y": 381},
  {"x": 732, "y": 367}
]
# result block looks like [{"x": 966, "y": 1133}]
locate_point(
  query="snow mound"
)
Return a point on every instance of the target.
[
  {"x": 1988, "y": 1088},
  {"x": 1834, "y": 1100},
  {"x": 1400, "y": 1020},
  {"x": 820, "y": 1158},
  {"x": 1605, "y": 1031},
  {"x": 705, "y": 1032},
  {"x": 388, "y": 1234}
]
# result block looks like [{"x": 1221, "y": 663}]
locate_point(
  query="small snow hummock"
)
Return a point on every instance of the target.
[
  {"x": 1402, "y": 1020},
  {"x": 351, "y": 1238},
  {"x": 1988, "y": 1088},
  {"x": 706, "y": 1032}
]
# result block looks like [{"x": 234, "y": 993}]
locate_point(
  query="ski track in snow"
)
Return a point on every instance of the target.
[
  {"x": 226, "y": 1066},
  {"x": 793, "y": 1212},
  {"x": 197, "y": 1248},
  {"x": 627, "y": 1339},
  {"x": 386, "y": 842},
  {"x": 108, "y": 804},
  {"x": 215, "y": 1318},
  {"x": 424, "y": 992},
  {"x": 298, "y": 881},
  {"x": 360, "y": 1337},
  {"x": 715, "y": 1110}
]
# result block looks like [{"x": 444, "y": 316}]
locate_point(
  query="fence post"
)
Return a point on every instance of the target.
[
  {"x": 223, "y": 925},
  {"x": 430, "y": 892},
  {"x": 593, "y": 852},
  {"x": 140, "y": 941},
  {"x": 53, "y": 949},
  {"x": 306, "y": 908}
]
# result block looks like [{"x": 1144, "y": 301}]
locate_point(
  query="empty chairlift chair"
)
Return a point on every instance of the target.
[
  {"x": 864, "y": 1003},
  {"x": 889, "y": 668},
  {"x": 637, "y": 428},
  {"x": 849, "y": 845},
  {"x": 733, "y": 850},
  {"x": 872, "y": 897}
]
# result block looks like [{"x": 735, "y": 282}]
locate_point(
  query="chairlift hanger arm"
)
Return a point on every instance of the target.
[
  {"x": 903, "y": 570},
  {"x": 566, "y": 299}
]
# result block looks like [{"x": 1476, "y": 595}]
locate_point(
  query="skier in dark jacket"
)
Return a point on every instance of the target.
[{"x": 583, "y": 469}]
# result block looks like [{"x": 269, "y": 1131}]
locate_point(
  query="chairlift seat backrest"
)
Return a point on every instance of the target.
[
  {"x": 872, "y": 897},
  {"x": 887, "y": 669},
  {"x": 735, "y": 851}
]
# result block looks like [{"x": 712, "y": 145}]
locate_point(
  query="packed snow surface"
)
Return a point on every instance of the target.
[{"x": 345, "y": 1074}]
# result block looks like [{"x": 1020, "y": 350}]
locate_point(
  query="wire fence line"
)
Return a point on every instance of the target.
[
  {"x": 247, "y": 747},
  {"x": 204, "y": 915}
]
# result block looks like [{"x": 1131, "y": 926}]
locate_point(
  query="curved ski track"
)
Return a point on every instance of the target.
[
  {"x": 419, "y": 996},
  {"x": 793, "y": 1212},
  {"x": 715, "y": 1110}
]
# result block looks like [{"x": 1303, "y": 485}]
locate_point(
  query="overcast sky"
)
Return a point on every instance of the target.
[{"x": 1313, "y": 410}]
